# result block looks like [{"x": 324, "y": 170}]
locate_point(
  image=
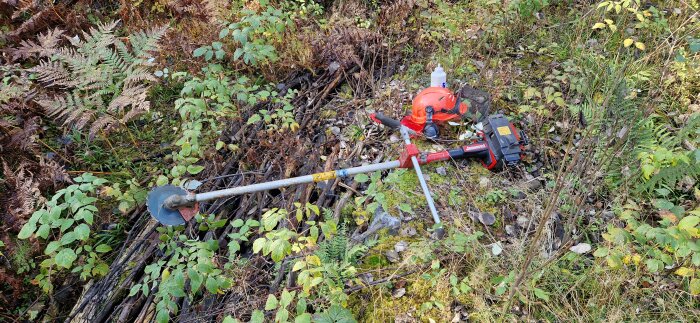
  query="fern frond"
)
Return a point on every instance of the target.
[
  {"x": 670, "y": 176},
  {"x": 139, "y": 75},
  {"x": 144, "y": 43},
  {"x": 53, "y": 74},
  {"x": 45, "y": 48},
  {"x": 97, "y": 68},
  {"x": 131, "y": 96},
  {"x": 103, "y": 123}
]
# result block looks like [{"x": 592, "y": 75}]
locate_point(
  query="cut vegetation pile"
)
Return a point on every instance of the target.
[{"x": 102, "y": 101}]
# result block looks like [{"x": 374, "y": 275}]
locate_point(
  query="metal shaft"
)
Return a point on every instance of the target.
[
  {"x": 421, "y": 179},
  {"x": 319, "y": 177}
]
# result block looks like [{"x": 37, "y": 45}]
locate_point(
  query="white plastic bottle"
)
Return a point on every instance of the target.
[{"x": 438, "y": 78}]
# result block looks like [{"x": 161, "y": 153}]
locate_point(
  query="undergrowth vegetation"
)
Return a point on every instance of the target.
[{"x": 100, "y": 102}]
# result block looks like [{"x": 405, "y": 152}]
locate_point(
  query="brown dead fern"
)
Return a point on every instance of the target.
[
  {"x": 395, "y": 13},
  {"x": 84, "y": 74},
  {"x": 345, "y": 44},
  {"x": 23, "y": 195}
]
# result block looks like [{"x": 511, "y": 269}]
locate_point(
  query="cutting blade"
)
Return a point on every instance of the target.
[{"x": 155, "y": 200}]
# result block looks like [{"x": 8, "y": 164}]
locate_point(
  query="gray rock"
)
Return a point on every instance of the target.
[
  {"x": 401, "y": 246},
  {"x": 519, "y": 195},
  {"x": 392, "y": 256},
  {"x": 522, "y": 221},
  {"x": 441, "y": 170},
  {"x": 510, "y": 230},
  {"x": 408, "y": 231},
  {"x": 487, "y": 218}
]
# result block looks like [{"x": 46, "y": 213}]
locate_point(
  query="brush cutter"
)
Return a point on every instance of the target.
[{"x": 500, "y": 144}]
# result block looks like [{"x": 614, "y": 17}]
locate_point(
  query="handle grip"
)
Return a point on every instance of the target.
[{"x": 389, "y": 122}]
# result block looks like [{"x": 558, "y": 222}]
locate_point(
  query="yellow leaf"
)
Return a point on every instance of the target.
[
  {"x": 599, "y": 25},
  {"x": 627, "y": 259},
  {"x": 613, "y": 28},
  {"x": 298, "y": 265},
  {"x": 640, "y": 45},
  {"x": 603, "y": 4},
  {"x": 609, "y": 21},
  {"x": 618, "y": 8},
  {"x": 695, "y": 286},
  {"x": 314, "y": 260},
  {"x": 684, "y": 272},
  {"x": 636, "y": 259},
  {"x": 628, "y": 42},
  {"x": 166, "y": 274}
]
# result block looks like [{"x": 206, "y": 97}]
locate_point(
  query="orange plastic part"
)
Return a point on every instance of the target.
[{"x": 440, "y": 99}]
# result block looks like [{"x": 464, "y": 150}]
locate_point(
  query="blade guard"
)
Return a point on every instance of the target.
[{"x": 155, "y": 203}]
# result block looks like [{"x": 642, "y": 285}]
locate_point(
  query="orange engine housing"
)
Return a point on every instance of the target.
[{"x": 441, "y": 99}]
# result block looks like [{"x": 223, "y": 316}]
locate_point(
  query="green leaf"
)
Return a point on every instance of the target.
[
  {"x": 253, "y": 119},
  {"x": 541, "y": 294},
  {"x": 194, "y": 169},
  {"x": 27, "y": 230},
  {"x": 257, "y": 317},
  {"x": 258, "y": 244},
  {"x": 361, "y": 178},
  {"x": 601, "y": 252},
  {"x": 237, "y": 223},
  {"x": 163, "y": 316},
  {"x": 689, "y": 222},
  {"x": 303, "y": 318},
  {"x": 212, "y": 285},
  {"x": 196, "y": 279},
  {"x": 199, "y": 51},
  {"x": 52, "y": 247},
  {"x": 65, "y": 258},
  {"x": 43, "y": 231},
  {"x": 663, "y": 204},
  {"x": 286, "y": 298},
  {"x": 162, "y": 180},
  {"x": 82, "y": 232},
  {"x": 654, "y": 265},
  {"x": 68, "y": 238},
  {"x": 102, "y": 248},
  {"x": 134, "y": 289},
  {"x": 271, "y": 303}
]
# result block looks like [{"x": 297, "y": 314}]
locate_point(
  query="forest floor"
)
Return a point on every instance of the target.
[{"x": 102, "y": 101}]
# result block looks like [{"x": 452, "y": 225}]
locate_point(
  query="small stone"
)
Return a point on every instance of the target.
[
  {"x": 487, "y": 218},
  {"x": 519, "y": 195},
  {"x": 398, "y": 292},
  {"x": 392, "y": 256},
  {"x": 484, "y": 182},
  {"x": 522, "y": 221},
  {"x": 334, "y": 66},
  {"x": 581, "y": 248},
  {"x": 496, "y": 249},
  {"x": 441, "y": 170},
  {"x": 510, "y": 230},
  {"x": 533, "y": 185},
  {"x": 401, "y": 246},
  {"x": 408, "y": 231},
  {"x": 335, "y": 131}
]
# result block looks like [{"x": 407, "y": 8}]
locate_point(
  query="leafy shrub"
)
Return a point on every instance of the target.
[
  {"x": 185, "y": 258},
  {"x": 672, "y": 244},
  {"x": 65, "y": 222},
  {"x": 253, "y": 34}
]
